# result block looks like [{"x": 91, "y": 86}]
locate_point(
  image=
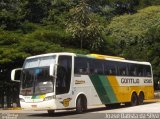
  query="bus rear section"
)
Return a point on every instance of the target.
[{"x": 116, "y": 81}]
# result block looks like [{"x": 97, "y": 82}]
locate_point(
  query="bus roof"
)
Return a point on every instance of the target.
[
  {"x": 118, "y": 59},
  {"x": 50, "y": 54},
  {"x": 96, "y": 56},
  {"x": 129, "y": 61}
]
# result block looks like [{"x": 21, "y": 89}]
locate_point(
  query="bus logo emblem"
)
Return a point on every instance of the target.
[{"x": 65, "y": 102}]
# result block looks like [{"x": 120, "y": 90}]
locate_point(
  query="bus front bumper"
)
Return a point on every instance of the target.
[{"x": 43, "y": 105}]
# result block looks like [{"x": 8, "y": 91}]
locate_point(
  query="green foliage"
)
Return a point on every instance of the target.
[
  {"x": 131, "y": 29},
  {"x": 28, "y": 27},
  {"x": 85, "y": 27},
  {"x": 16, "y": 46},
  {"x": 10, "y": 14},
  {"x": 57, "y": 13},
  {"x": 153, "y": 46},
  {"x": 36, "y": 10},
  {"x": 9, "y": 47}
]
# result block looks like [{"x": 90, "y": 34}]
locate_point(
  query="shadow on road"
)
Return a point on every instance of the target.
[
  {"x": 56, "y": 114},
  {"x": 67, "y": 113}
]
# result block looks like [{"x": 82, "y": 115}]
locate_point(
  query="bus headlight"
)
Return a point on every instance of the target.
[
  {"x": 49, "y": 98},
  {"x": 22, "y": 100}
]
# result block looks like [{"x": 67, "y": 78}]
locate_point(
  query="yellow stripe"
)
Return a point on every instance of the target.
[
  {"x": 123, "y": 93},
  {"x": 42, "y": 96},
  {"x": 115, "y": 86},
  {"x": 98, "y": 56}
]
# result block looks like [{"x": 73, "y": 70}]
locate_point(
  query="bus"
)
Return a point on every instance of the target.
[{"x": 65, "y": 81}]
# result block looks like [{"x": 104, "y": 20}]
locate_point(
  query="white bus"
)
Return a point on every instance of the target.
[{"x": 70, "y": 81}]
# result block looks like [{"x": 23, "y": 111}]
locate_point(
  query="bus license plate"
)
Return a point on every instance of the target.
[{"x": 34, "y": 106}]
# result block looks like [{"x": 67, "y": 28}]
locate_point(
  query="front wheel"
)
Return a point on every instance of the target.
[
  {"x": 51, "y": 111},
  {"x": 81, "y": 104}
]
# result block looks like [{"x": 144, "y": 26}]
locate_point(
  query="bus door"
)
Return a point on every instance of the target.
[{"x": 63, "y": 81}]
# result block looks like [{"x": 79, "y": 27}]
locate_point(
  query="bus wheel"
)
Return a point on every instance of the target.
[
  {"x": 81, "y": 104},
  {"x": 141, "y": 98},
  {"x": 134, "y": 99},
  {"x": 51, "y": 111}
]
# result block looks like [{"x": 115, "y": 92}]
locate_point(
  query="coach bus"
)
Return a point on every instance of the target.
[{"x": 57, "y": 81}]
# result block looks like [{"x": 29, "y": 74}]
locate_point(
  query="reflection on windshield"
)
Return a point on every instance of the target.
[
  {"x": 35, "y": 76},
  {"x": 39, "y": 62},
  {"x": 36, "y": 81}
]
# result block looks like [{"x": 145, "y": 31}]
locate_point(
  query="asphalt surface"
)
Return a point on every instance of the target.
[{"x": 146, "y": 111}]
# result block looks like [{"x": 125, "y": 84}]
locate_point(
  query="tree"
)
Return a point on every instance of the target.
[
  {"x": 130, "y": 30},
  {"x": 153, "y": 48},
  {"x": 36, "y": 10},
  {"x": 57, "y": 13},
  {"x": 85, "y": 27},
  {"x": 11, "y": 14}
]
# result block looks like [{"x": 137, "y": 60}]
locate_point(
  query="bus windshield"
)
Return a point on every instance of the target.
[{"x": 35, "y": 79}]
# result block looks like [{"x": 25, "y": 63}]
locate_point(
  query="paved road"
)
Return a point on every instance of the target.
[
  {"x": 18, "y": 114},
  {"x": 149, "y": 110}
]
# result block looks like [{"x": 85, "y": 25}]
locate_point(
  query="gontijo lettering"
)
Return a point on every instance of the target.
[{"x": 129, "y": 80}]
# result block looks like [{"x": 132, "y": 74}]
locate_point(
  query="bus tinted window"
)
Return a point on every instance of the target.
[
  {"x": 122, "y": 69},
  {"x": 87, "y": 66},
  {"x": 110, "y": 68},
  {"x": 98, "y": 66},
  {"x": 147, "y": 71},
  {"x": 81, "y": 65},
  {"x": 132, "y": 69},
  {"x": 140, "y": 70}
]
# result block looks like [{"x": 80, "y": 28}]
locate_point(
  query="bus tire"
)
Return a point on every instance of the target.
[
  {"x": 51, "y": 111},
  {"x": 141, "y": 98},
  {"x": 81, "y": 104},
  {"x": 134, "y": 99}
]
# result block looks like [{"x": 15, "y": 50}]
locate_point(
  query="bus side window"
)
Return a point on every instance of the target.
[
  {"x": 132, "y": 70},
  {"x": 109, "y": 68},
  {"x": 81, "y": 65},
  {"x": 147, "y": 71},
  {"x": 98, "y": 66},
  {"x": 140, "y": 70},
  {"x": 123, "y": 72},
  {"x": 122, "y": 69},
  {"x": 110, "y": 72}
]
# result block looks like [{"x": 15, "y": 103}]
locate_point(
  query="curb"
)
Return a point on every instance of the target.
[
  {"x": 15, "y": 108},
  {"x": 152, "y": 100}
]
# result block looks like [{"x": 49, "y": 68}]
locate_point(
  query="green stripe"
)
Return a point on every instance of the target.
[
  {"x": 103, "y": 88},
  {"x": 34, "y": 97}
]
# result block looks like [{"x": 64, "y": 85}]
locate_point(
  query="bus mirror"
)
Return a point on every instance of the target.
[
  {"x": 52, "y": 69},
  {"x": 15, "y": 74}
]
